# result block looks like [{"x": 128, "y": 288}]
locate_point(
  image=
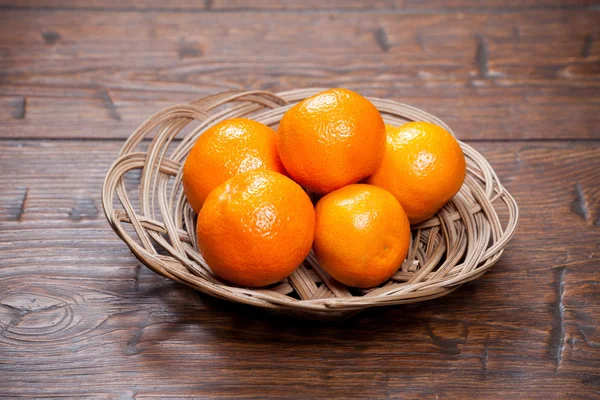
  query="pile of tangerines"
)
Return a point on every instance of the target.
[{"x": 254, "y": 190}]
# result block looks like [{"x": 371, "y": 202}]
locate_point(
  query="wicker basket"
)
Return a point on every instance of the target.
[{"x": 457, "y": 245}]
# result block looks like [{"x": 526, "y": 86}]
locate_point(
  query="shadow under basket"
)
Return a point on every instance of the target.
[{"x": 144, "y": 203}]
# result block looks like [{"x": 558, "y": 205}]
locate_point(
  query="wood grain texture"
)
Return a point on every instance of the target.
[
  {"x": 79, "y": 316},
  {"x": 99, "y": 5},
  {"x": 491, "y": 75},
  {"x": 437, "y": 6}
]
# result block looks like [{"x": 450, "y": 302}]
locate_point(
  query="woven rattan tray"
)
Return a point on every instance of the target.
[{"x": 153, "y": 218}]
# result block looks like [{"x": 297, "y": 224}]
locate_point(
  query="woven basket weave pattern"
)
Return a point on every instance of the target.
[{"x": 459, "y": 244}]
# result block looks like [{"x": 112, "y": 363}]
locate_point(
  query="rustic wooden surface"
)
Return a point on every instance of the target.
[{"x": 519, "y": 80}]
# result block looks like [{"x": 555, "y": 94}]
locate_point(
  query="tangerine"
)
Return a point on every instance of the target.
[
  {"x": 330, "y": 140},
  {"x": 423, "y": 167},
  {"x": 226, "y": 149},
  {"x": 256, "y": 228},
  {"x": 362, "y": 235}
]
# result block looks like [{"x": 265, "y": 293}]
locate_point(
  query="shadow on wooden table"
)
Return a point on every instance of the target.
[
  {"x": 236, "y": 323},
  {"x": 256, "y": 349}
]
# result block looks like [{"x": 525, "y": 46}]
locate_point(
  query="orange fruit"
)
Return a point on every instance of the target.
[
  {"x": 256, "y": 228},
  {"x": 362, "y": 235},
  {"x": 423, "y": 166},
  {"x": 331, "y": 139},
  {"x": 226, "y": 149}
]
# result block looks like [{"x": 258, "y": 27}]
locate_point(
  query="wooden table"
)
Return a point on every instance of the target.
[{"x": 79, "y": 316}]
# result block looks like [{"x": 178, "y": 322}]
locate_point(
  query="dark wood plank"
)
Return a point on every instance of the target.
[
  {"x": 424, "y": 40},
  {"x": 177, "y": 5},
  {"x": 435, "y": 6},
  {"x": 294, "y": 5},
  {"x": 488, "y": 73},
  {"x": 474, "y": 113},
  {"x": 80, "y": 316}
]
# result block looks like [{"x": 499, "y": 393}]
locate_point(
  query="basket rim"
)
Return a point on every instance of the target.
[{"x": 275, "y": 104}]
